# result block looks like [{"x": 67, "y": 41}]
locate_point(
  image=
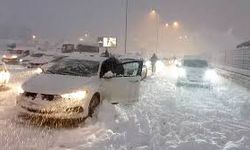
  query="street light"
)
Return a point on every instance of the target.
[
  {"x": 33, "y": 37},
  {"x": 154, "y": 13},
  {"x": 166, "y": 25},
  {"x": 126, "y": 27},
  {"x": 176, "y": 24}
]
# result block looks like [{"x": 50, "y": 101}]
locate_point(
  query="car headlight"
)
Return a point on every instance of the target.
[
  {"x": 181, "y": 72},
  {"x": 39, "y": 70},
  {"x": 211, "y": 75},
  {"x": 79, "y": 95},
  {"x": 4, "y": 56},
  {"x": 14, "y": 56}
]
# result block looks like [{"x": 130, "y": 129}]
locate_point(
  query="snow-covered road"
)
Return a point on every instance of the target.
[{"x": 165, "y": 118}]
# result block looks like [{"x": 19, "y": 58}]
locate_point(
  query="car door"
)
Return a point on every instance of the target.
[{"x": 123, "y": 88}]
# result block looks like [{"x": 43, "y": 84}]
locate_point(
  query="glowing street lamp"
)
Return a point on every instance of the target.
[
  {"x": 176, "y": 24},
  {"x": 153, "y": 12},
  {"x": 33, "y": 37},
  {"x": 166, "y": 25}
]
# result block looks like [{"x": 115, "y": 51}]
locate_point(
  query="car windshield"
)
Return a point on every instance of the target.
[
  {"x": 75, "y": 67},
  {"x": 37, "y": 55},
  {"x": 15, "y": 51},
  {"x": 195, "y": 63}
]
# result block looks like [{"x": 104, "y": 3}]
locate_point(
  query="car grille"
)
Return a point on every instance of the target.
[
  {"x": 30, "y": 95},
  {"x": 46, "y": 97}
]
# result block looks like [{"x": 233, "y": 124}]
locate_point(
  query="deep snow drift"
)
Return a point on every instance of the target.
[{"x": 165, "y": 118}]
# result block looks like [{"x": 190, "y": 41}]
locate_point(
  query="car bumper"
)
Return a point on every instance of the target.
[
  {"x": 11, "y": 61},
  {"x": 57, "y": 110}
]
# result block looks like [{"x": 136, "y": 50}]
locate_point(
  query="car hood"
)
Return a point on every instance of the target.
[
  {"x": 58, "y": 84},
  {"x": 41, "y": 60}
]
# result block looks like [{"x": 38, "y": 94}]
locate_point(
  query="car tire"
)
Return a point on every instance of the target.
[{"x": 95, "y": 101}]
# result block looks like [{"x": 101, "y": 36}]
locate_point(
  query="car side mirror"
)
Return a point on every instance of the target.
[{"x": 108, "y": 75}]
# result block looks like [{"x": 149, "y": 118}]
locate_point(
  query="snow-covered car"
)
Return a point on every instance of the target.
[
  {"x": 195, "y": 71},
  {"x": 39, "y": 61},
  {"x": 74, "y": 86},
  {"x": 4, "y": 75},
  {"x": 15, "y": 56}
]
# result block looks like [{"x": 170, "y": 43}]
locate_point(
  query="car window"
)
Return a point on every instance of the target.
[
  {"x": 112, "y": 64},
  {"x": 131, "y": 69},
  {"x": 37, "y": 55}
]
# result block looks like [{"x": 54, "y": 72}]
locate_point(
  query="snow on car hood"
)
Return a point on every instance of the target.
[
  {"x": 58, "y": 84},
  {"x": 42, "y": 60}
]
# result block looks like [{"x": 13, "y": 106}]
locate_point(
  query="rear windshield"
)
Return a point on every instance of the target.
[{"x": 195, "y": 63}]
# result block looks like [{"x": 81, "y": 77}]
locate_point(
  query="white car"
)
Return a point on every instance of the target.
[
  {"x": 74, "y": 86},
  {"x": 195, "y": 71},
  {"x": 15, "y": 56},
  {"x": 4, "y": 75}
]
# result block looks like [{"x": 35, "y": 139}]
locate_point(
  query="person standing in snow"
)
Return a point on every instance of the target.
[{"x": 153, "y": 60}]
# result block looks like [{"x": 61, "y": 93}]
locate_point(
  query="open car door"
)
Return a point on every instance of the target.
[{"x": 123, "y": 88}]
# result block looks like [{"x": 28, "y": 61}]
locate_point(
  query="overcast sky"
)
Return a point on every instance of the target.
[{"x": 72, "y": 18}]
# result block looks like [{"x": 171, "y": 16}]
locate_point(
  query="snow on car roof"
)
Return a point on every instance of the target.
[{"x": 94, "y": 57}]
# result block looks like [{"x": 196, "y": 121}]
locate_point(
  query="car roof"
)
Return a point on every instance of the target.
[{"x": 93, "y": 57}]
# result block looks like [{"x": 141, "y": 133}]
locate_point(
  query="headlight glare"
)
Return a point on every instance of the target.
[
  {"x": 13, "y": 56},
  {"x": 181, "y": 72},
  {"x": 148, "y": 64},
  {"x": 211, "y": 75}
]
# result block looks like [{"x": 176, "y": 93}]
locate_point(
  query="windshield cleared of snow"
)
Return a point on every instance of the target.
[
  {"x": 75, "y": 67},
  {"x": 15, "y": 51}
]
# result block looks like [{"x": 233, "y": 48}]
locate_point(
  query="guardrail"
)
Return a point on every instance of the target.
[{"x": 240, "y": 76}]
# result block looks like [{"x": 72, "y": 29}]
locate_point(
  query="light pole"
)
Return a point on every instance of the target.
[
  {"x": 126, "y": 27},
  {"x": 157, "y": 36},
  {"x": 155, "y": 13}
]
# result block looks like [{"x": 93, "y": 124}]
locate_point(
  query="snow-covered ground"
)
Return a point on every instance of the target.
[{"x": 165, "y": 118}]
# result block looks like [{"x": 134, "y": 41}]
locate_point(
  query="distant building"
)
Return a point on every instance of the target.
[{"x": 239, "y": 57}]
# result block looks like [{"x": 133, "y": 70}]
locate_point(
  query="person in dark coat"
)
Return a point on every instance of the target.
[{"x": 153, "y": 60}]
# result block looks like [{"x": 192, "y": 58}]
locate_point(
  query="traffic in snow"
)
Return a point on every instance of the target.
[{"x": 159, "y": 79}]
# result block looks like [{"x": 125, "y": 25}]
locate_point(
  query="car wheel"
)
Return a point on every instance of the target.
[{"x": 95, "y": 101}]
